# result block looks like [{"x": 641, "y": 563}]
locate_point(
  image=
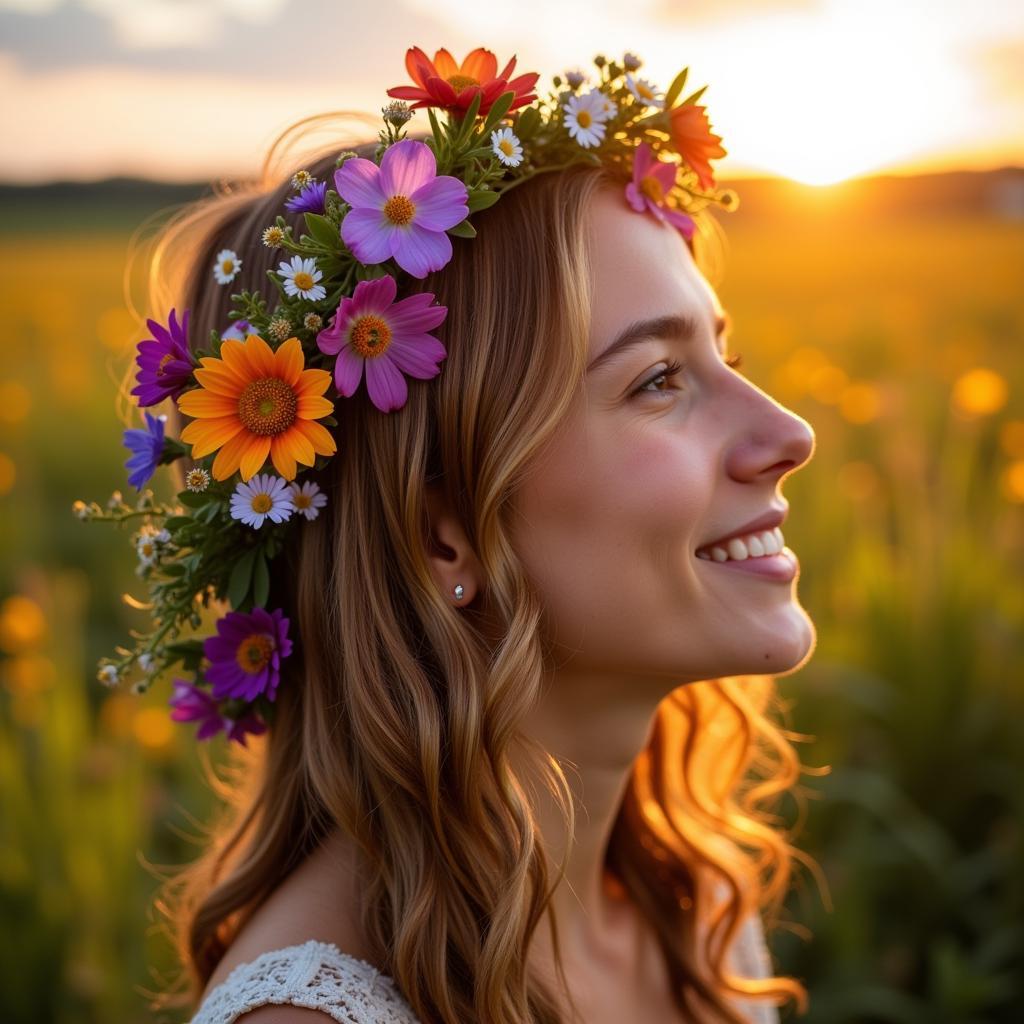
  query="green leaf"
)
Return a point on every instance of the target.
[
  {"x": 463, "y": 230},
  {"x": 480, "y": 199},
  {"x": 260, "y": 581},
  {"x": 675, "y": 88},
  {"x": 173, "y": 569},
  {"x": 498, "y": 110},
  {"x": 323, "y": 230},
  {"x": 694, "y": 96},
  {"x": 192, "y": 500},
  {"x": 174, "y": 523},
  {"x": 241, "y": 578},
  {"x": 527, "y": 123},
  {"x": 466, "y": 125}
]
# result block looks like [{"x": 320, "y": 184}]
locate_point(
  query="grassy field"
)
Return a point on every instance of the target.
[{"x": 899, "y": 338}]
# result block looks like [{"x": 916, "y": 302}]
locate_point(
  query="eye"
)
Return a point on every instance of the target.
[{"x": 670, "y": 371}]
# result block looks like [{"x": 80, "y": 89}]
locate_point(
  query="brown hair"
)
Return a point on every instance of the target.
[{"x": 396, "y": 710}]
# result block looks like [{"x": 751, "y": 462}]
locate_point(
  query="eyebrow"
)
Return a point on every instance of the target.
[{"x": 672, "y": 326}]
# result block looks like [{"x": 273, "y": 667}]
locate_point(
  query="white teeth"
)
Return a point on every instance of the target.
[{"x": 754, "y": 545}]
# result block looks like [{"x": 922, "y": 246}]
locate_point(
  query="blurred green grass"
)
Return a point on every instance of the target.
[{"x": 898, "y": 338}]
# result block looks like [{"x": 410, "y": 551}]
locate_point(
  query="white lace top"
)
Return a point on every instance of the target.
[{"x": 318, "y": 976}]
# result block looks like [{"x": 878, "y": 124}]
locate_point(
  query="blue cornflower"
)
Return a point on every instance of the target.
[
  {"x": 146, "y": 447},
  {"x": 310, "y": 199}
]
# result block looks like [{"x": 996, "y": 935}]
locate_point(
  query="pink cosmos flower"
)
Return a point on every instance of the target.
[
  {"x": 389, "y": 338},
  {"x": 400, "y": 209},
  {"x": 652, "y": 180}
]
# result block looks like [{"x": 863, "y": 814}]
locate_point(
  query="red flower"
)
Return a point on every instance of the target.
[
  {"x": 693, "y": 141},
  {"x": 443, "y": 83}
]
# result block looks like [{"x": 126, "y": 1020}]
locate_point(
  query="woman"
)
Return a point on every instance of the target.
[{"x": 520, "y": 761}]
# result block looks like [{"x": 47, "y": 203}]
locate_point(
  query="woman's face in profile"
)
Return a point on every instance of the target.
[{"x": 654, "y": 465}]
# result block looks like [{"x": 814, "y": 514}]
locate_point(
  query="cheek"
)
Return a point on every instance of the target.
[{"x": 607, "y": 519}]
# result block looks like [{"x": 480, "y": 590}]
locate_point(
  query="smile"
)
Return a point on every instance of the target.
[{"x": 761, "y": 554}]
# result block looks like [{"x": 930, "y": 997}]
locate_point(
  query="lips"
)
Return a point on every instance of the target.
[{"x": 766, "y": 521}]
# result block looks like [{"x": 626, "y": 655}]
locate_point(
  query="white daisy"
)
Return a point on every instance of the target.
[
  {"x": 147, "y": 548},
  {"x": 584, "y": 120},
  {"x": 605, "y": 107},
  {"x": 644, "y": 91},
  {"x": 507, "y": 147},
  {"x": 264, "y": 495},
  {"x": 226, "y": 266},
  {"x": 300, "y": 277},
  {"x": 145, "y": 661},
  {"x": 308, "y": 499}
]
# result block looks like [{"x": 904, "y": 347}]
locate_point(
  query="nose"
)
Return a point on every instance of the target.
[{"x": 773, "y": 441}]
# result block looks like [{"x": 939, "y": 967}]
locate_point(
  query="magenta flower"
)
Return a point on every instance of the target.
[
  {"x": 389, "y": 338},
  {"x": 653, "y": 179},
  {"x": 245, "y": 655},
  {"x": 193, "y": 704},
  {"x": 400, "y": 209},
  {"x": 164, "y": 361}
]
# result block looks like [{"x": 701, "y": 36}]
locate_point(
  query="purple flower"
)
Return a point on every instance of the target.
[
  {"x": 165, "y": 362},
  {"x": 193, "y": 704},
  {"x": 245, "y": 655},
  {"x": 653, "y": 179},
  {"x": 239, "y": 330},
  {"x": 146, "y": 447},
  {"x": 389, "y": 338},
  {"x": 400, "y": 209},
  {"x": 310, "y": 199}
]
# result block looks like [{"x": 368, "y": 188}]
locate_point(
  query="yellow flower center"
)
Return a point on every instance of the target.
[
  {"x": 300, "y": 500},
  {"x": 146, "y": 549},
  {"x": 459, "y": 82},
  {"x": 583, "y": 118},
  {"x": 261, "y": 503},
  {"x": 254, "y": 652},
  {"x": 645, "y": 92},
  {"x": 303, "y": 281},
  {"x": 227, "y": 266},
  {"x": 651, "y": 187},
  {"x": 267, "y": 406},
  {"x": 399, "y": 209},
  {"x": 370, "y": 336},
  {"x": 506, "y": 147},
  {"x": 163, "y": 362}
]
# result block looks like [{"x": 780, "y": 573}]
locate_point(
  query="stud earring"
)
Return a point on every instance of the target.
[{"x": 458, "y": 591}]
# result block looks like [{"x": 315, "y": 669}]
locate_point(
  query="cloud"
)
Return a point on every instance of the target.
[{"x": 316, "y": 40}]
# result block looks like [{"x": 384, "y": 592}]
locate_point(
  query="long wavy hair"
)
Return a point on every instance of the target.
[{"x": 396, "y": 711}]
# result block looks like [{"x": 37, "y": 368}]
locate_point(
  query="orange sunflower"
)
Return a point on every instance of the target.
[{"x": 254, "y": 402}]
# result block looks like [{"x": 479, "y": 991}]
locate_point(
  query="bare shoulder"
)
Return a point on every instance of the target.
[{"x": 318, "y": 900}]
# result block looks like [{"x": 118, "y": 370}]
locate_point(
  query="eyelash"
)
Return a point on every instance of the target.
[{"x": 734, "y": 361}]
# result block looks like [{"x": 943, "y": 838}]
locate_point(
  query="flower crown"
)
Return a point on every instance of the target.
[{"x": 258, "y": 392}]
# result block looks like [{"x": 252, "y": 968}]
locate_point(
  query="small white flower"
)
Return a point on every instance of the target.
[
  {"x": 265, "y": 495},
  {"x": 308, "y": 499},
  {"x": 145, "y": 661},
  {"x": 238, "y": 331},
  {"x": 108, "y": 676},
  {"x": 584, "y": 119},
  {"x": 146, "y": 548},
  {"x": 604, "y": 106},
  {"x": 644, "y": 91},
  {"x": 300, "y": 277},
  {"x": 507, "y": 147},
  {"x": 300, "y": 179},
  {"x": 197, "y": 479},
  {"x": 272, "y": 236},
  {"x": 226, "y": 266},
  {"x": 164, "y": 536}
]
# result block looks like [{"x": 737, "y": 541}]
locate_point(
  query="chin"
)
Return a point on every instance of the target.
[{"x": 782, "y": 655}]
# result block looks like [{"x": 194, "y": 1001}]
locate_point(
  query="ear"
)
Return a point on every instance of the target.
[{"x": 452, "y": 560}]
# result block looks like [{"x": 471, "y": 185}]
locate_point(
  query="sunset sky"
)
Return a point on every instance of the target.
[{"x": 815, "y": 90}]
